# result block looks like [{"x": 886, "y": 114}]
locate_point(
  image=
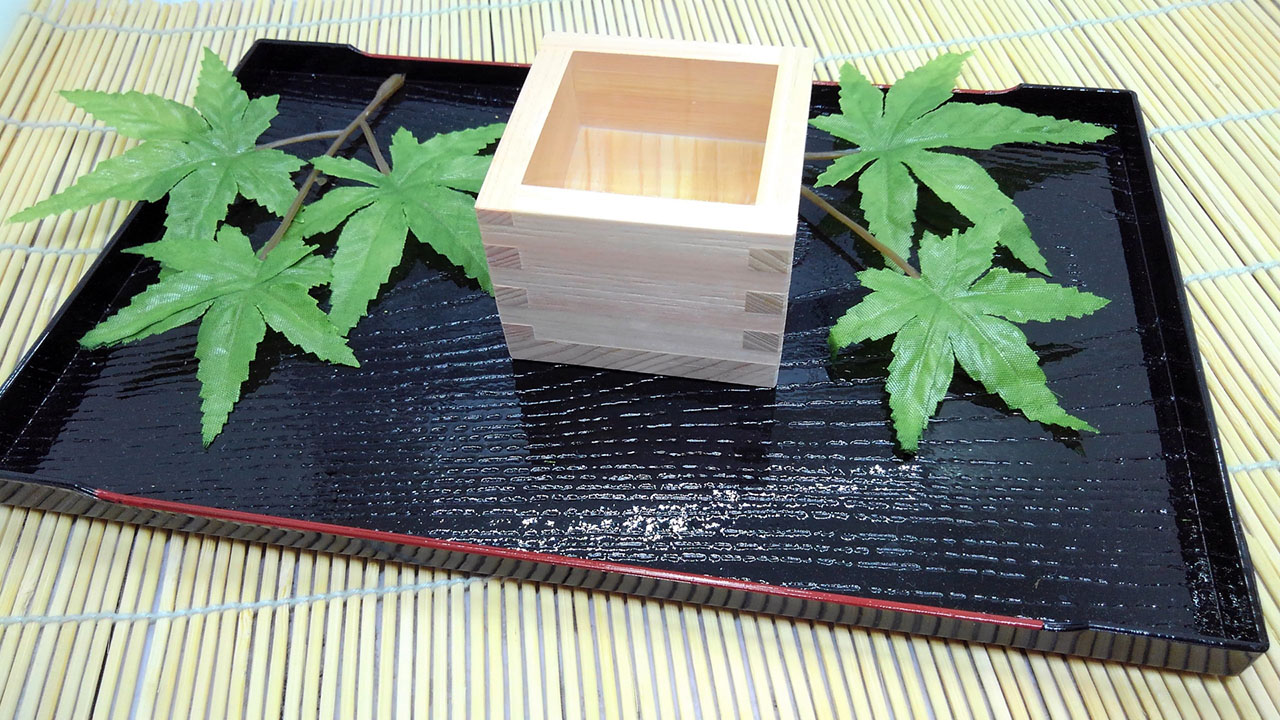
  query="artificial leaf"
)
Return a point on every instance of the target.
[
  {"x": 901, "y": 129},
  {"x": 237, "y": 296},
  {"x": 178, "y": 319},
  {"x": 201, "y": 159},
  {"x": 889, "y": 204},
  {"x": 860, "y": 107},
  {"x": 922, "y": 89},
  {"x": 162, "y": 299},
  {"x": 218, "y": 95},
  {"x": 963, "y": 183},
  {"x": 420, "y": 194},
  {"x": 333, "y": 208},
  {"x": 138, "y": 115},
  {"x": 960, "y": 310},
  {"x": 371, "y": 244},
  {"x": 174, "y": 254},
  {"x": 290, "y": 311},
  {"x": 919, "y": 375},
  {"x": 225, "y": 345}
]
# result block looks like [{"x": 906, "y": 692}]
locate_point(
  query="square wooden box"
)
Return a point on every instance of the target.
[{"x": 640, "y": 211}]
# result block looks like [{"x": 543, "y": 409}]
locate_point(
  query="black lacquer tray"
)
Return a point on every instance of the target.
[{"x": 1122, "y": 545}]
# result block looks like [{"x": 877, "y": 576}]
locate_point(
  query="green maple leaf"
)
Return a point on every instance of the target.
[
  {"x": 421, "y": 193},
  {"x": 898, "y": 133},
  {"x": 236, "y": 296},
  {"x": 961, "y": 309},
  {"x": 202, "y": 156}
]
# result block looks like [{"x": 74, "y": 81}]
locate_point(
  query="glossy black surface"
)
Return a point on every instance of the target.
[{"x": 440, "y": 434}]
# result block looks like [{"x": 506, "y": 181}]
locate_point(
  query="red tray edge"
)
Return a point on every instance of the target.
[{"x": 566, "y": 561}]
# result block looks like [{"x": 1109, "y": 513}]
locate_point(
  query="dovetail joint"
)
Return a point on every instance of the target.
[
  {"x": 764, "y": 303},
  {"x": 762, "y": 341},
  {"x": 769, "y": 260},
  {"x": 508, "y": 296},
  {"x": 502, "y": 256}
]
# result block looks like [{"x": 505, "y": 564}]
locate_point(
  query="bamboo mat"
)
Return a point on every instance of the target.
[{"x": 108, "y": 620}]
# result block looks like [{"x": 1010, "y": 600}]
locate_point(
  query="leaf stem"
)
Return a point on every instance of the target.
[
  {"x": 386, "y": 90},
  {"x": 858, "y": 230},
  {"x": 322, "y": 135},
  {"x": 374, "y": 148},
  {"x": 829, "y": 155}
]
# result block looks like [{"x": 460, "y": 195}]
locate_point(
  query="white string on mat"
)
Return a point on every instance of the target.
[
  {"x": 973, "y": 39},
  {"x": 1228, "y": 272},
  {"x": 407, "y": 14},
  {"x": 1031, "y": 32},
  {"x": 1229, "y": 118},
  {"x": 48, "y": 251},
  {"x": 235, "y": 606},
  {"x": 51, "y": 124},
  {"x": 1251, "y": 467}
]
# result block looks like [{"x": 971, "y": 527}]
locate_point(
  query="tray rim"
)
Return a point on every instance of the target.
[
  {"x": 1203, "y": 654},
  {"x": 1169, "y": 650}
]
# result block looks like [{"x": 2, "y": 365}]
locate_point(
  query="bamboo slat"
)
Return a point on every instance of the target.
[{"x": 381, "y": 640}]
